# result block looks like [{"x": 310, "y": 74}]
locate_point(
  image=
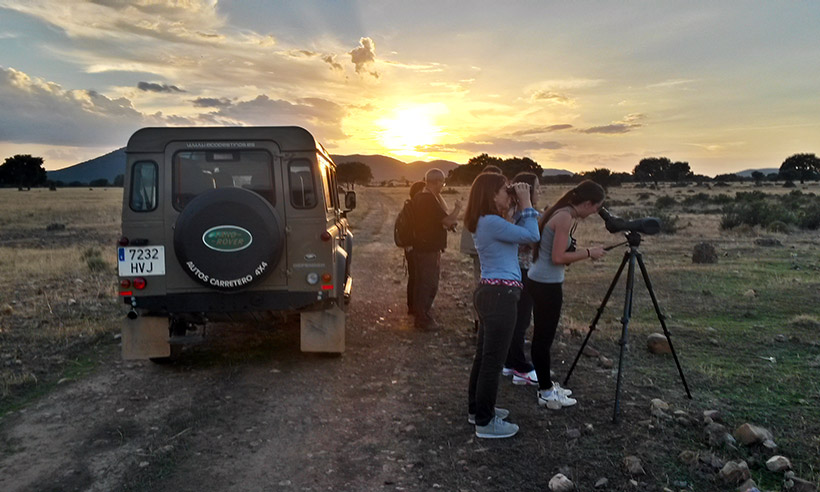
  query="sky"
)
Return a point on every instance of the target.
[{"x": 577, "y": 85}]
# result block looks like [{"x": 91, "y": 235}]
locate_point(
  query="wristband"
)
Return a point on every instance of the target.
[{"x": 588, "y": 255}]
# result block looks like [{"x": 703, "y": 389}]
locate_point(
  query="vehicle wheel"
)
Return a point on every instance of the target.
[{"x": 228, "y": 239}]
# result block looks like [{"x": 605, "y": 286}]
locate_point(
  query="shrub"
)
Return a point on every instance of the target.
[
  {"x": 779, "y": 226},
  {"x": 93, "y": 259},
  {"x": 810, "y": 217},
  {"x": 665, "y": 202},
  {"x": 644, "y": 196}
]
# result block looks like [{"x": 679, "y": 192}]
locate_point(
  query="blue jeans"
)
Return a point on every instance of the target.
[{"x": 496, "y": 306}]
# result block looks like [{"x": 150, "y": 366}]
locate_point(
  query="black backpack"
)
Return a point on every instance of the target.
[{"x": 403, "y": 234}]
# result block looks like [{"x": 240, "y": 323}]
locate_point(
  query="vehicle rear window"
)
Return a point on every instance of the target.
[
  {"x": 144, "y": 186},
  {"x": 200, "y": 171},
  {"x": 302, "y": 188}
]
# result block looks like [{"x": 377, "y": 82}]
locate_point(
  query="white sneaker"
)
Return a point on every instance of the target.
[
  {"x": 554, "y": 400},
  {"x": 559, "y": 389},
  {"x": 525, "y": 378},
  {"x": 507, "y": 371}
]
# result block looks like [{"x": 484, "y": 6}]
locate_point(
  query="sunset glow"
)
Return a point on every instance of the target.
[
  {"x": 725, "y": 86},
  {"x": 410, "y": 129}
]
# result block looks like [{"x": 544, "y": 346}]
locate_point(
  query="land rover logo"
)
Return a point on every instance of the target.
[{"x": 227, "y": 238}]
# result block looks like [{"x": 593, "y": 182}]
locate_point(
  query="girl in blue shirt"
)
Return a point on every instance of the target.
[{"x": 496, "y": 297}]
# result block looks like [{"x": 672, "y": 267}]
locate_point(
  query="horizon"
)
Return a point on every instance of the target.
[
  {"x": 726, "y": 87},
  {"x": 423, "y": 161}
]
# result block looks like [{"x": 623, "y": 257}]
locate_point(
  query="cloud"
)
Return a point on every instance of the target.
[
  {"x": 542, "y": 129},
  {"x": 629, "y": 123},
  {"x": 211, "y": 102},
  {"x": 364, "y": 56},
  {"x": 152, "y": 87},
  {"x": 317, "y": 114},
  {"x": 334, "y": 65},
  {"x": 490, "y": 145},
  {"x": 38, "y": 111},
  {"x": 553, "y": 97}
]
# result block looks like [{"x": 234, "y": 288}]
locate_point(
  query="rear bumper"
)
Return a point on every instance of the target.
[{"x": 218, "y": 302}]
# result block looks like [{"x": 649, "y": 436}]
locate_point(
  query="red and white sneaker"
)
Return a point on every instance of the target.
[
  {"x": 507, "y": 371},
  {"x": 522, "y": 378}
]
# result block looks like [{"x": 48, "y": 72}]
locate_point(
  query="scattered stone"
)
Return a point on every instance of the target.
[
  {"x": 770, "y": 445},
  {"x": 573, "y": 433},
  {"x": 748, "y": 486},
  {"x": 143, "y": 464},
  {"x": 659, "y": 404},
  {"x": 6, "y": 310},
  {"x": 711, "y": 460},
  {"x": 704, "y": 253},
  {"x": 768, "y": 242},
  {"x": 778, "y": 463},
  {"x": 750, "y": 434},
  {"x": 634, "y": 466},
  {"x": 715, "y": 434},
  {"x": 800, "y": 485},
  {"x": 560, "y": 483},
  {"x": 601, "y": 483},
  {"x": 589, "y": 351},
  {"x": 606, "y": 362},
  {"x": 788, "y": 475},
  {"x": 688, "y": 457},
  {"x": 751, "y": 293},
  {"x": 712, "y": 414},
  {"x": 735, "y": 472},
  {"x": 781, "y": 338},
  {"x": 658, "y": 344}
]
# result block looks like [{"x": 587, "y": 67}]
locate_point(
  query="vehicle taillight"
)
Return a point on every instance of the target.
[
  {"x": 326, "y": 278},
  {"x": 139, "y": 283},
  {"x": 125, "y": 283},
  {"x": 123, "y": 241},
  {"x": 325, "y": 236}
]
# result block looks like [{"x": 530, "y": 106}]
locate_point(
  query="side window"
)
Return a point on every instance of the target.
[
  {"x": 144, "y": 186},
  {"x": 300, "y": 180},
  {"x": 327, "y": 187}
]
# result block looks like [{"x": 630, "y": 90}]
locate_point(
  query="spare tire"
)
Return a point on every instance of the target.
[{"x": 228, "y": 239}]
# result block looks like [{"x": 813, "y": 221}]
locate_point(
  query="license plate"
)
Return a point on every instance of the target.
[{"x": 141, "y": 262}]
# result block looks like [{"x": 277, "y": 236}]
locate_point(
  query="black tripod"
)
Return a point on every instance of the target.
[{"x": 631, "y": 255}]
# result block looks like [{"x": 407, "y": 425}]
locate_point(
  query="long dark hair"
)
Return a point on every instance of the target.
[
  {"x": 529, "y": 178},
  {"x": 482, "y": 198},
  {"x": 586, "y": 191}
]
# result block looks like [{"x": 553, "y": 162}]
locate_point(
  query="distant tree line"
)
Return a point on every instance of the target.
[{"x": 26, "y": 171}]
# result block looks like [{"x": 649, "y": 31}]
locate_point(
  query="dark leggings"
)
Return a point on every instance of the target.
[{"x": 547, "y": 300}]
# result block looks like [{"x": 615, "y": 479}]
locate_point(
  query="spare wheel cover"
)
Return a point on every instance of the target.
[{"x": 228, "y": 239}]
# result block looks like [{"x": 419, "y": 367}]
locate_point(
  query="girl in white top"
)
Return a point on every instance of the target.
[{"x": 545, "y": 278}]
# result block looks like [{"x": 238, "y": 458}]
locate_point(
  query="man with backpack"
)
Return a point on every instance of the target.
[
  {"x": 403, "y": 236},
  {"x": 430, "y": 225}
]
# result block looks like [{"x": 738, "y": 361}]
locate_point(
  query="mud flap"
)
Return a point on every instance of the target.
[
  {"x": 145, "y": 337},
  {"x": 323, "y": 331}
]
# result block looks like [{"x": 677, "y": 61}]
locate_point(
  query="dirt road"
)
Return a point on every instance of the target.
[{"x": 246, "y": 410}]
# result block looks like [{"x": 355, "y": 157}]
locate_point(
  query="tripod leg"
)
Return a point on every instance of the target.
[
  {"x": 597, "y": 316},
  {"x": 662, "y": 319},
  {"x": 630, "y": 282}
]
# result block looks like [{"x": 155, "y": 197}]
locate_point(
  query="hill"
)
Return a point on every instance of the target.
[
  {"x": 386, "y": 168},
  {"x": 766, "y": 171},
  {"x": 107, "y": 166}
]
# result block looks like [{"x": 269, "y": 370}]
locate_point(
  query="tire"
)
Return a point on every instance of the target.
[{"x": 228, "y": 239}]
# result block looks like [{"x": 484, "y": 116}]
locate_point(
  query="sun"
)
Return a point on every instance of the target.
[{"x": 410, "y": 128}]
